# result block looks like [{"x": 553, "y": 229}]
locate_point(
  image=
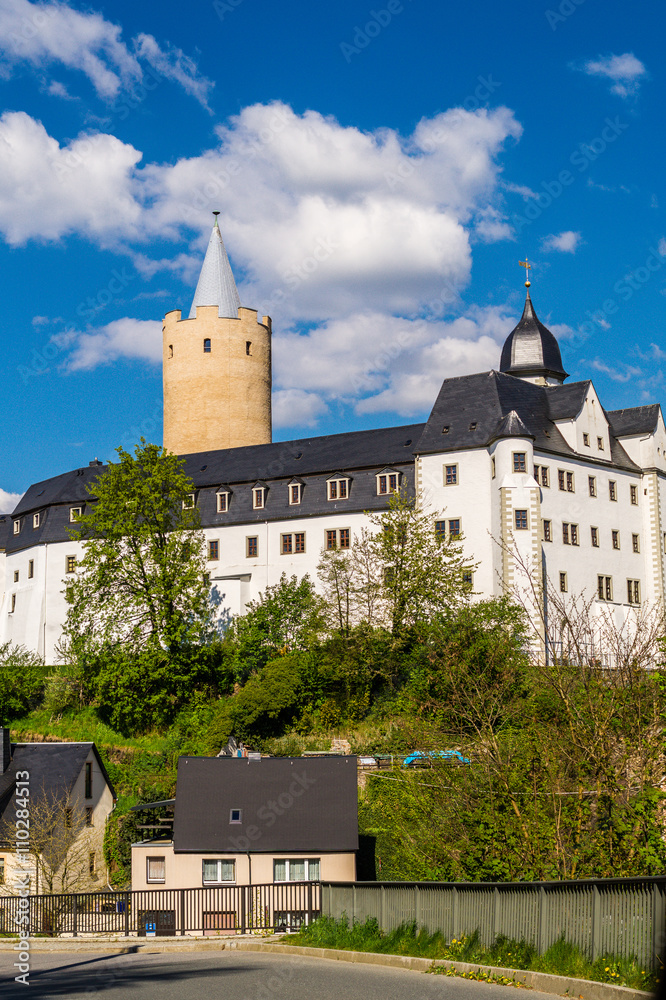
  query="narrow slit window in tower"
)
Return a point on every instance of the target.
[
  {"x": 248, "y": 347},
  {"x": 207, "y": 345},
  {"x": 170, "y": 350}
]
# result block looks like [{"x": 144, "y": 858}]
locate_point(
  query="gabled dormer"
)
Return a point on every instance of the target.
[
  {"x": 581, "y": 420},
  {"x": 642, "y": 433}
]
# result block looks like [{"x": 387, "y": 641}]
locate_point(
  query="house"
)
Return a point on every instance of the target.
[
  {"x": 55, "y": 799},
  {"x": 527, "y": 469},
  {"x": 242, "y": 821}
]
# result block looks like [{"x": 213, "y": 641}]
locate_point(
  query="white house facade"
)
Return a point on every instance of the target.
[{"x": 524, "y": 467}]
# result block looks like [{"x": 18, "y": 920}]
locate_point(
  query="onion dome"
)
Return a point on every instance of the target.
[{"x": 531, "y": 350}]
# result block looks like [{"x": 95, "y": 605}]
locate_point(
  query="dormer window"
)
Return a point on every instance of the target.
[
  {"x": 35, "y": 520},
  {"x": 338, "y": 487},
  {"x": 586, "y": 440},
  {"x": 207, "y": 347},
  {"x": 17, "y": 527},
  {"x": 75, "y": 513},
  {"x": 295, "y": 492},
  {"x": 600, "y": 443},
  {"x": 223, "y": 499},
  {"x": 190, "y": 501},
  {"x": 387, "y": 482},
  {"x": 259, "y": 496}
]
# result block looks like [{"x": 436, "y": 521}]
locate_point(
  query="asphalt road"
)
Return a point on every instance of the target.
[{"x": 230, "y": 976}]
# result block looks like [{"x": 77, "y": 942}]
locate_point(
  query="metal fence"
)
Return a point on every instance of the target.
[
  {"x": 624, "y": 917},
  {"x": 234, "y": 909}
]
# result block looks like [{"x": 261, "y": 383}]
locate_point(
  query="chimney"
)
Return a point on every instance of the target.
[{"x": 6, "y": 749}]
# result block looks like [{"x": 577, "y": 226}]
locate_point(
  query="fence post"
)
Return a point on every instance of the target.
[
  {"x": 417, "y": 907},
  {"x": 658, "y": 920},
  {"x": 243, "y": 890},
  {"x": 541, "y": 939},
  {"x": 496, "y": 907},
  {"x": 596, "y": 924},
  {"x": 455, "y": 914},
  {"x": 353, "y": 904},
  {"x": 127, "y": 913},
  {"x": 75, "y": 915},
  {"x": 309, "y": 903},
  {"x": 182, "y": 913}
]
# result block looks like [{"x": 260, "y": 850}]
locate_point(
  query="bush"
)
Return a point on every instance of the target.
[{"x": 22, "y": 679}]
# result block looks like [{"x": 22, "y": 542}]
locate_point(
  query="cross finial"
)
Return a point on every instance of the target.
[{"x": 526, "y": 264}]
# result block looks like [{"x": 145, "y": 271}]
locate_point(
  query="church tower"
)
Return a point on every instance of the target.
[{"x": 216, "y": 365}]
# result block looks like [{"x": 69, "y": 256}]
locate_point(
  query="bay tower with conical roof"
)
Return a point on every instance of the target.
[{"x": 216, "y": 365}]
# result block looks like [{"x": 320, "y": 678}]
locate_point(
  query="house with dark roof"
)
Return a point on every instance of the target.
[
  {"x": 534, "y": 474},
  {"x": 255, "y": 821},
  {"x": 55, "y": 799}
]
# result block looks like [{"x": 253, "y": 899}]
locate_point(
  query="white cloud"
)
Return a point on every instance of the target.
[
  {"x": 566, "y": 242},
  {"x": 297, "y": 408},
  {"x": 626, "y": 72},
  {"x": 41, "y": 34},
  {"x": 626, "y": 374},
  {"x": 8, "y": 501},
  {"x": 126, "y": 337}
]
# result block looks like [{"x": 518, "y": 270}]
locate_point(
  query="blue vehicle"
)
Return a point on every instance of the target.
[{"x": 426, "y": 758}]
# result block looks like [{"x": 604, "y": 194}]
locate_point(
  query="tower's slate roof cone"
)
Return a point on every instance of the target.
[
  {"x": 216, "y": 285},
  {"x": 531, "y": 349}
]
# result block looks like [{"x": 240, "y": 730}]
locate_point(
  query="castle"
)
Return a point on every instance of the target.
[{"x": 513, "y": 454}]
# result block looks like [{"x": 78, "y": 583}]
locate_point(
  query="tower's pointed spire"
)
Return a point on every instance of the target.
[{"x": 216, "y": 285}]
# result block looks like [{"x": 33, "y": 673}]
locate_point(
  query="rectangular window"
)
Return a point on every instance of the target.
[
  {"x": 252, "y": 546},
  {"x": 88, "y": 780},
  {"x": 218, "y": 870},
  {"x": 295, "y": 493},
  {"x": 605, "y": 588},
  {"x": 188, "y": 502},
  {"x": 89, "y": 816},
  {"x": 595, "y": 537},
  {"x": 213, "y": 550},
  {"x": 615, "y": 538},
  {"x": 633, "y": 591},
  {"x": 574, "y": 534},
  {"x": 31, "y": 568},
  {"x": 493, "y": 468},
  {"x": 222, "y": 502},
  {"x": 258, "y": 497},
  {"x": 17, "y": 527},
  {"x": 12, "y": 606},
  {"x": 287, "y": 544},
  {"x": 612, "y": 490},
  {"x": 299, "y": 541},
  {"x": 293, "y": 543},
  {"x": 206, "y": 345},
  {"x": 155, "y": 869},
  {"x": 70, "y": 564},
  {"x": 570, "y": 482},
  {"x": 338, "y": 489},
  {"x": 331, "y": 539},
  {"x": 547, "y": 531},
  {"x": 343, "y": 540},
  {"x": 387, "y": 483},
  {"x": 633, "y": 494},
  {"x": 586, "y": 440},
  {"x": 600, "y": 443},
  {"x": 519, "y": 461},
  {"x": 296, "y": 870},
  {"x": 520, "y": 520},
  {"x": 636, "y": 543},
  {"x": 592, "y": 484},
  {"x": 563, "y": 583},
  {"x": 560, "y": 479},
  {"x": 565, "y": 533},
  {"x": 16, "y": 576},
  {"x": 450, "y": 475},
  {"x": 455, "y": 527},
  {"x": 235, "y": 815},
  {"x": 468, "y": 578},
  {"x": 35, "y": 520},
  {"x": 545, "y": 475}
]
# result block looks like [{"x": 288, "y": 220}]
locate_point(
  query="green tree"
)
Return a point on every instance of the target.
[
  {"x": 22, "y": 679},
  {"x": 141, "y": 582},
  {"x": 287, "y": 616}
]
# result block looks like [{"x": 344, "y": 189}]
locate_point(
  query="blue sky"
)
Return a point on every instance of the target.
[{"x": 379, "y": 170}]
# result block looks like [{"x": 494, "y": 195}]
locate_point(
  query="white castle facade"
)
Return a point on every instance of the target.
[{"x": 526, "y": 468}]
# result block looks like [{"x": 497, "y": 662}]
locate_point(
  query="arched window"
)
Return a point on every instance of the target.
[{"x": 207, "y": 345}]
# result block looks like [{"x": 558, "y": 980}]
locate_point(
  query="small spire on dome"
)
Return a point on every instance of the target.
[{"x": 526, "y": 264}]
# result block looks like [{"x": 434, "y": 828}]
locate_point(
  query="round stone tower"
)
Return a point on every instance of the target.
[{"x": 216, "y": 365}]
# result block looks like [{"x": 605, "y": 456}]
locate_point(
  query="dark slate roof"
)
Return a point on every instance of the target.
[
  {"x": 288, "y": 804},
  {"x": 531, "y": 349},
  {"x": 53, "y": 769},
  {"x": 634, "y": 420},
  {"x": 511, "y": 426},
  {"x": 5, "y": 529},
  {"x": 474, "y": 408}
]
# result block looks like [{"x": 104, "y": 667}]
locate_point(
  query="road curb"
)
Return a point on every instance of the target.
[{"x": 542, "y": 982}]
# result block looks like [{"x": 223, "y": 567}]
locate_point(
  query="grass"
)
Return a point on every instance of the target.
[{"x": 561, "y": 959}]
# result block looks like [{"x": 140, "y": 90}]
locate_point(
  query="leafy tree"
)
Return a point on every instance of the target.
[
  {"x": 22, "y": 679},
  {"x": 141, "y": 582},
  {"x": 287, "y": 616}
]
